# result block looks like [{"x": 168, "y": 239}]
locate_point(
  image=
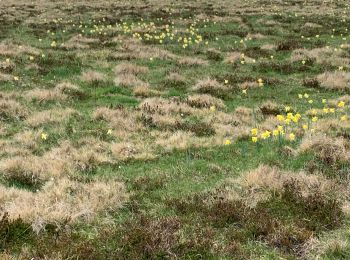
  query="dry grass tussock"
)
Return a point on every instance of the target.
[
  {"x": 78, "y": 42},
  {"x": 321, "y": 56},
  {"x": 209, "y": 86},
  {"x": 269, "y": 47},
  {"x": 51, "y": 116},
  {"x": 122, "y": 121},
  {"x": 144, "y": 91},
  {"x": 5, "y": 77},
  {"x": 63, "y": 160},
  {"x": 132, "y": 49},
  {"x": 248, "y": 85},
  {"x": 176, "y": 78},
  {"x": 258, "y": 185},
  {"x": 205, "y": 101},
  {"x": 127, "y": 75},
  {"x": 91, "y": 76},
  {"x": 125, "y": 151},
  {"x": 329, "y": 150},
  {"x": 9, "y": 49},
  {"x": 337, "y": 80},
  {"x": 10, "y": 109},
  {"x": 60, "y": 92},
  {"x": 69, "y": 89},
  {"x": 129, "y": 68},
  {"x": 334, "y": 102},
  {"x": 311, "y": 25},
  {"x": 192, "y": 61},
  {"x": 234, "y": 57},
  {"x": 332, "y": 125},
  {"x": 7, "y": 66},
  {"x": 328, "y": 244},
  {"x": 129, "y": 80},
  {"x": 62, "y": 200},
  {"x": 44, "y": 95},
  {"x": 181, "y": 140}
]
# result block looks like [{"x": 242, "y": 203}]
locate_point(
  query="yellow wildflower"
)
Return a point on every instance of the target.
[{"x": 254, "y": 131}]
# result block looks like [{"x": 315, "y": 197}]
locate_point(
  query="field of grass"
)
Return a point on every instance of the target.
[{"x": 174, "y": 129}]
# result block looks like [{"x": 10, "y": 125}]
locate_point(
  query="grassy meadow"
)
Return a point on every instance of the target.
[{"x": 174, "y": 129}]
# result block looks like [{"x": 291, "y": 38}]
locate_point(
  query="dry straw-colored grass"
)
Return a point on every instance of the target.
[
  {"x": 63, "y": 160},
  {"x": 209, "y": 86},
  {"x": 79, "y": 42},
  {"x": 44, "y": 95},
  {"x": 10, "y": 49},
  {"x": 338, "y": 80},
  {"x": 260, "y": 184},
  {"x": 192, "y": 61},
  {"x": 131, "y": 151},
  {"x": 324, "y": 56},
  {"x": 51, "y": 116},
  {"x": 91, "y": 76},
  {"x": 129, "y": 68},
  {"x": 205, "y": 101},
  {"x": 329, "y": 150},
  {"x": 127, "y": 75},
  {"x": 62, "y": 200},
  {"x": 10, "y": 109}
]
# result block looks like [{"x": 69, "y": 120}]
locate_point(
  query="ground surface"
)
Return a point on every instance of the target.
[{"x": 174, "y": 129}]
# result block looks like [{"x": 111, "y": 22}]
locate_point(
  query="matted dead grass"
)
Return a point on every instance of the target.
[
  {"x": 10, "y": 109},
  {"x": 10, "y": 49},
  {"x": 132, "y": 49},
  {"x": 260, "y": 184},
  {"x": 324, "y": 56},
  {"x": 52, "y": 116},
  {"x": 210, "y": 86},
  {"x": 62, "y": 201},
  {"x": 338, "y": 80},
  {"x": 63, "y": 160},
  {"x": 91, "y": 76},
  {"x": 205, "y": 100},
  {"x": 44, "y": 95},
  {"x": 78, "y": 42},
  {"x": 329, "y": 150},
  {"x": 192, "y": 61}
]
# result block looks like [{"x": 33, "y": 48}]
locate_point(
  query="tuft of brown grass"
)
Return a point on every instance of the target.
[
  {"x": 130, "y": 151},
  {"x": 78, "y": 42},
  {"x": 132, "y": 49},
  {"x": 129, "y": 80},
  {"x": 69, "y": 89},
  {"x": 94, "y": 77},
  {"x": 192, "y": 61},
  {"x": 129, "y": 68},
  {"x": 7, "y": 66},
  {"x": 52, "y": 116},
  {"x": 260, "y": 184},
  {"x": 329, "y": 150},
  {"x": 248, "y": 85},
  {"x": 270, "y": 108},
  {"x": 127, "y": 75},
  {"x": 62, "y": 201},
  {"x": 205, "y": 101},
  {"x": 234, "y": 57},
  {"x": 10, "y": 109},
  {"x": 10, "y": 49},
  {"x": 324, "y": 56},
  {"x": 144, "y": 91},
  {"x": 5, "y": 77},
  {"x": 210, "y": 86},
  {"x": 338, "y": 80},
  {"x": 44, "y": 95}
]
